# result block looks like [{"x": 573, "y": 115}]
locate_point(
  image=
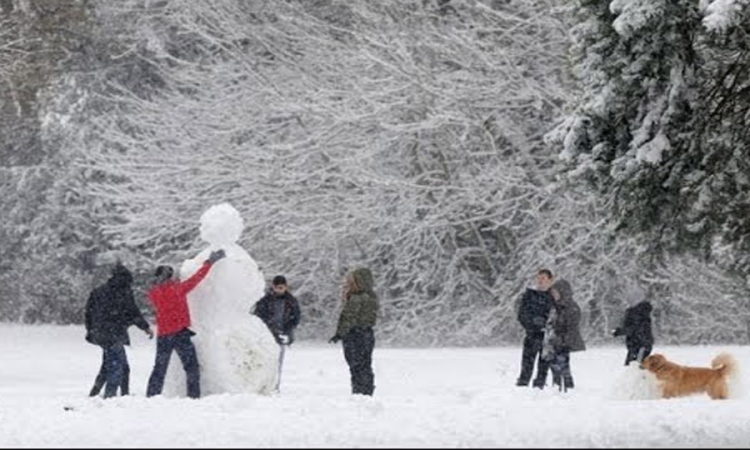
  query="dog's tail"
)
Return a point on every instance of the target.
[{"x": 725, "y": 363}]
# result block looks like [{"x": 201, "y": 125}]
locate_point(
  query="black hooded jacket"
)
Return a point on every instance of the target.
[
  {"x": 111, "y": 309},
  {"x": 636, "y": 325}
]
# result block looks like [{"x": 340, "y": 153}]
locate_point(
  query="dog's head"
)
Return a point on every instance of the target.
[{"x": 654, "y": 363}]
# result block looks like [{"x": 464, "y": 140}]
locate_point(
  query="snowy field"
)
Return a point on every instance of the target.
[{"x": 424, "y": 398}]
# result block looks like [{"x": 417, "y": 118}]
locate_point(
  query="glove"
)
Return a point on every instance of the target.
[
  {"x": 334, "y": 339},
  {"x": 283, "y": 339},
  {"x": 616, "y": 332},
  {"x": 216, "y": 255},
  {"x": 150, "y": 333}
]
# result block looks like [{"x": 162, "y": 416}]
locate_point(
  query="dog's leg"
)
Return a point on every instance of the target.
[{"x": 718, "y": 391}]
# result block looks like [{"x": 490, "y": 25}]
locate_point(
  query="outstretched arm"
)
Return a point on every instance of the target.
[
  {"x": 190, "y": 284},
  {"x": 135, "y": 316}
]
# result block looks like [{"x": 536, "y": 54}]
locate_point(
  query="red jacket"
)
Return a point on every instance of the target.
[{"x": 169, "y": 300}]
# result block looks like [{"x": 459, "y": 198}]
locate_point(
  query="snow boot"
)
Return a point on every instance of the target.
[{"x": 568, "y": 382}]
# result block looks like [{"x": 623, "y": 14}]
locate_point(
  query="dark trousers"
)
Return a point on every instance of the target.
[
  {"x": 560, "y": 367},
  {"x": 634, "y": 350},
  {"x": 532, "y": 351},
  {"x": 359, "y": 344},
  {"x": 101, "y": 378},
  {"x": 179, "y": 342},
  {"x": 115, "y": 362}
]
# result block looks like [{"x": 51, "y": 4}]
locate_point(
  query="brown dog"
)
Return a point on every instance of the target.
[{"x": 679, "y": 381}]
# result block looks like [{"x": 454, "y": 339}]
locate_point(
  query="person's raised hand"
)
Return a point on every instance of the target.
[{"x": 216, "y": 255}]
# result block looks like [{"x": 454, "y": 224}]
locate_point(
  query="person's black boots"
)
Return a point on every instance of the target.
[{"x": 568, "y": 380}]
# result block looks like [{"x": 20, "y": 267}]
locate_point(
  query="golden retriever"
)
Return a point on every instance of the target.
[{"x": 678, "y": 381}]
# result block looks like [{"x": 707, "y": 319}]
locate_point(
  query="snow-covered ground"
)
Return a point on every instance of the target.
[{"x": 424, "y": 398}]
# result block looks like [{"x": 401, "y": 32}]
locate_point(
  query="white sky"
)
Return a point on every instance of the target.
[{"x": 424, "y": 398}]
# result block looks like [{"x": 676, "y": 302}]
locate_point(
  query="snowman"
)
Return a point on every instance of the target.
[{"x": 236, "y": 351}]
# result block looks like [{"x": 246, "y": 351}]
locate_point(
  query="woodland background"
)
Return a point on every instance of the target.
[{"x": 453, "y": 146}]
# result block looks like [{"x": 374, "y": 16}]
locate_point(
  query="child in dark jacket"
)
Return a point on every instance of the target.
[{"x": 636, "y": 327}]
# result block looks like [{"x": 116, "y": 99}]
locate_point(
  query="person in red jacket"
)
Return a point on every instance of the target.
[{"x": 169, "y": 300}]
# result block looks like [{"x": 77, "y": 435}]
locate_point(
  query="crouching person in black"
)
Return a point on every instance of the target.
[
  {"x": 636, "y": 327},
  {"x": 533, "y": 311}
]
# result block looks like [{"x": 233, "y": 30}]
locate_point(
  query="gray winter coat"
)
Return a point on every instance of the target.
[{"x": 567, "y": 324}]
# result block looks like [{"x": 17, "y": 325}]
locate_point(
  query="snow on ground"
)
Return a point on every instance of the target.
[{"x": 450, "y": 397}]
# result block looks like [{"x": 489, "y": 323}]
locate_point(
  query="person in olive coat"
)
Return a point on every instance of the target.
[{"x": 355, "y": 328}]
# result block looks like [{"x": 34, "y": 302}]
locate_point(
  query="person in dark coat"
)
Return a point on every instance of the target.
[
  {"x": 355, "y": 328},
  {"x": 636, "y": 327},
  {"x": 110, "y": 311},
  {"x": 564, "y": 334},
  {"x": 280, "y": 311},
  {"x": 533, "y": 312}
]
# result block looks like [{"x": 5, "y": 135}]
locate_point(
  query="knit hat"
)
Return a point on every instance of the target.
[
  {"x": 164, "y": 271},
  {"x": 279, "y": 279}
]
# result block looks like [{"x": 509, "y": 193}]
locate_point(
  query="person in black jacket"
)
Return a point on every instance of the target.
[
  {"x": 110, "y": 310},
  {"x": 636, "y": 327},
  {"x": 279, "y": 310},
  {"x": 533, "y": 311}
]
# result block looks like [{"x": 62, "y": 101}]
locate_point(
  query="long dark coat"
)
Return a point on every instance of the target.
[
  {"x": 111, "y": 309},
  {"x": 636, "y": 326},
  {"x": 567, "y": 324}
]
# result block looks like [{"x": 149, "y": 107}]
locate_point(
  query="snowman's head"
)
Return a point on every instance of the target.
[{"x": 221, "y": 225}]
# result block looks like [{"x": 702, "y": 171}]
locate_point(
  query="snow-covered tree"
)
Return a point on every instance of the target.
[
  {"x": 401, "y": 135},
  {"x": 662, "y": 126}
]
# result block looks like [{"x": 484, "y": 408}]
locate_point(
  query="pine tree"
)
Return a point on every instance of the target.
[
  {"x": 662, "y": 127},
  {"x": 632, "y": 133}
]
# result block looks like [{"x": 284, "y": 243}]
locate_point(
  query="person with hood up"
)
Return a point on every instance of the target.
[
  {"x": 110, "y": 310},
  {"x": 564, "y": 334},
  {"x": 636, "y": 327},
  {"x": 355, "y": 328}
]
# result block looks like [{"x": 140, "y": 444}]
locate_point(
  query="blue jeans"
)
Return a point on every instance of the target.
[
  {"x": 179, "y": 342},
  {"x": 116, "y": 363},
  {"x": 101, "y": 377}
]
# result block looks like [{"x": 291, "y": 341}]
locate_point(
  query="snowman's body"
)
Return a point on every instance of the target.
[{"x": 236, "y": 351}]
